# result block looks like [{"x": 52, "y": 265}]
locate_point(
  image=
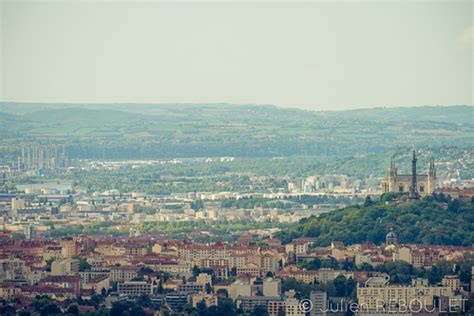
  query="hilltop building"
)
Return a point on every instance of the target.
[{"x": 415, "y": 184}]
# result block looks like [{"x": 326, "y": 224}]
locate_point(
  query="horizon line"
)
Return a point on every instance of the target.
[{"x": 82, "y": 104}]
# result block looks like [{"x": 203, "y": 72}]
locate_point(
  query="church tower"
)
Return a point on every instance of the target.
[
  {"x": 432, "y": 177},
  {"x": 413, "y": 187},
  {"x": 391, "y": 238},
  {"x": 392, "y": 177}
]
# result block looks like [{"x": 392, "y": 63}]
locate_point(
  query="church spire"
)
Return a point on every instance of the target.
[{"x": 413, "y": 188}]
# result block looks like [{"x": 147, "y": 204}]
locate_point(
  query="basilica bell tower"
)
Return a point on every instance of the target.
[{"x": 413, "y": 187}]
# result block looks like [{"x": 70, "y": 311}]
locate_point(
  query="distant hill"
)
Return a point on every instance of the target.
[
  {"x": 438, "y": 221},
  {"x": 147, "y": 131},
  {"x": 435, "y": 114}
]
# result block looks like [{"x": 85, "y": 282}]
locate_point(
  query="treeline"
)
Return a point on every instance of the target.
[
  {"x": 325, "y": 199},
  {"x": 217, "y": 231},
  {"x": 289, "y": 202},
  {"x": 218, "y": 147},
  {"x": 250, "y": 203},
  {"x": 99, "y": 228}
]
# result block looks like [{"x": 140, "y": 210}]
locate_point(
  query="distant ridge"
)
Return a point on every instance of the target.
[
  {"x": 26, "y": 107},
  {"x": 148, "y": 131}
]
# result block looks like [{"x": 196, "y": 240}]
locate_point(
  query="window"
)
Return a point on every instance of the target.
[
  {"x": 422, "y": 188},
  {"x": 400, "y": 189}
]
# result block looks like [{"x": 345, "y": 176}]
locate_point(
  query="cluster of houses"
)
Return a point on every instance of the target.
[{"x": 179, "y": 272}]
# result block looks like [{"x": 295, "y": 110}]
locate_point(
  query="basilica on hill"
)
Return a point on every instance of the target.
[{"x": 415, "y": 184}]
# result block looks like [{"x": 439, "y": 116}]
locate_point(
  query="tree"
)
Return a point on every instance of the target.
[
  {"x": 208, "y": 288},
  {"x": 201, "y": 307},
  {"x": 434, "y": 275},
  {"x": 368, "y": 201},
  {"x": 50, "y": 309},
  {"x": 73, "y": 309},
  {"x": 340, "y": 283},
  {"x": 348, "y": 265},
  {"x": 143, "y": 301},
  {"x": 454, "y": 205},
  {"x": 314, "y": 264},
  {"x": 197, "y": 205},
  {"x": 366, "y": 267},
  {"x": 7, "y": 311},
  {"x": 226, "y": 306},
  {"x": 259, "y": 311},
  {"x": 400, "y": 272},
  {"x": 83, "y": 264},
  {"x": 125, "y": 309},
  {"x": 189, "y": 309},
  {"x": 196, "y": 270},
  {"x": 222, "y": 293},
  {"x": 301, "y": 288}
]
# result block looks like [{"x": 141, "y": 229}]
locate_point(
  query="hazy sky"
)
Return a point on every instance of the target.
[{"x": 318, "y": 55}]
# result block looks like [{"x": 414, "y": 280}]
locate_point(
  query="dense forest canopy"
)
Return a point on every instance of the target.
[{"x": 436, "y": 220}]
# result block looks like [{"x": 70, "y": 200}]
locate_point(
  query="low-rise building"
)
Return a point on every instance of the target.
[
  {"x": 319, "y": 301},
  {"x": 293, "y": 307},
  {"x": 249, "y": 303},
  {"x": 176, "y": 301},
  {"x": 65, "y": 267},
  {"x": 135, "y": 288},
  {"x": 191, "y": 287},
  {"x": 123, "y": 273},
  {"x": 9, "y": 290},
  {"x": 452, "y": 282},
  {"x": 271, "y": 287},
  {"x": 374, "y": 296},
  {"x": 69, "y": 247},
  {"x": 11, "y": 268},
  {"x": 97, "y": 284},
  {"x": 72, "y": 282}
]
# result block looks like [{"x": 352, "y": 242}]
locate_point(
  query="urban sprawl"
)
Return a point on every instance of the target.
[{"x": 66, "y": 250}]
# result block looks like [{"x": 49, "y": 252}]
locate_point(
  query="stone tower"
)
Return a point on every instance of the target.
[
  {"x": 432, "y": 177},
  {"x": 392, "y": 177},
  {"x": 413, "y": 186},
  {"x": 391, "y": 238}
]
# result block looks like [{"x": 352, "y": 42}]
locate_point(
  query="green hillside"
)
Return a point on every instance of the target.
[
  {"x": 433, "y": 220},
  {"x": 147, "y": 131}
]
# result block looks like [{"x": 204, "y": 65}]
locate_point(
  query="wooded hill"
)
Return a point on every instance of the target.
[{"x": 437, "y": 220}]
